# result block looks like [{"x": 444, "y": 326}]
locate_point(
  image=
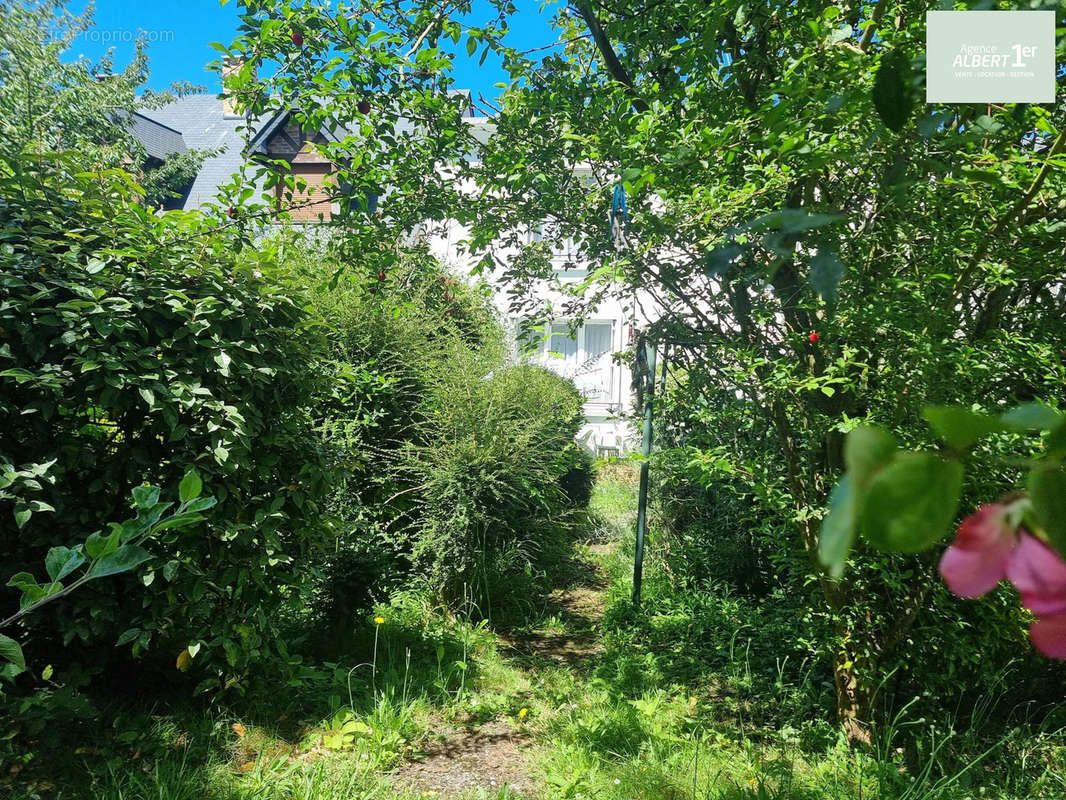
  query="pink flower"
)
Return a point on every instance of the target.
[
  {"x": 1048, "y": 635},
  {"x": 987, "y": 550},
  {"x": 1039, "y": 575},
  {"x": 977, "y": 561}
]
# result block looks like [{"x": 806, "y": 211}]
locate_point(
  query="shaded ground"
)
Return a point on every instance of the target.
[
  {"x": 492, "y": 756},
  {"x": 574, "y": 612},
  {"x": 489, "y": 758}
]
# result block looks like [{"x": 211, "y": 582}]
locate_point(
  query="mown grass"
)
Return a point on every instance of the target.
[{"x": 685, "y": 701}]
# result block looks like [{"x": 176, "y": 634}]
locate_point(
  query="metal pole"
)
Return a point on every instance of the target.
[{"x": 642, "y": 497}]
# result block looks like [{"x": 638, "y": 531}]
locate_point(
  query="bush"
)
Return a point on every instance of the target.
[
  {"x": 491, "y": 464},
  {"x": 135, "y": 347},
  {"x": 453, "y": 466},
  {"x": 578, "y": 481},
  {"x": 727, "y": 517}
]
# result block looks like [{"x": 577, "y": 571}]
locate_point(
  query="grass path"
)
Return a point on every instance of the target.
[
  {"x": 492, "y": 758},
  {"x": 555, "y": 650}
]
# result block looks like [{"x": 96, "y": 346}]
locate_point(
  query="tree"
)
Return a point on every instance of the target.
[
  {"x": 807, "y": 237},
  {"x": 48, "y": 104},
  {"x": 763, "y": 149}
]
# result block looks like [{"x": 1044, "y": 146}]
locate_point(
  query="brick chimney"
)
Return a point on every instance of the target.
[{"x": 230, "y": 66}]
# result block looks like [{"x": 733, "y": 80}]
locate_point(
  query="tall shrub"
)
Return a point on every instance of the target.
[
  {"x": 134, "y": 347},
  {"x": 453, "y": 474}
]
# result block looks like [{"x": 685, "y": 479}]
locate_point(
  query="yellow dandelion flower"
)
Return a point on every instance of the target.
[
  {"x": 379, "y": 620},
  {"x": 522, "y": 713}
]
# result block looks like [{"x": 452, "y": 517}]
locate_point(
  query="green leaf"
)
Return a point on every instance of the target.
[
  {"x": 911, "y": 503},
  {"x": 200, "y": 504},
  {"x": 826, "y": 273},
  {"x": 11, "y": 651},
  {"x": 145, "y": 496},
  {"x": 61, "y": 561},
  {"x": 125, "y": 558},
  {"x": 960, "y": 427},
  {"x": 22, "y": 581},
  {"x": 128, "y": 636},
  {"x": 1032, "y": 417},
  {"x": 22, "y": 514},
  {"x": 891, "y": 95},
  {"x": 1056, "y": 440},
  {"x": 792, "y": 220},
  {"x": 1047, "y": 492},
  {"x": 223, "y": 362},
  {"x": 183, "y": 520},
  {"x": 148, "y": 396},
  {"x": 866, "y": 450},
  {"x": 98, "y": 545},
  {"x": 838, "y": 527},
  {"x": 190, "y": 486}
]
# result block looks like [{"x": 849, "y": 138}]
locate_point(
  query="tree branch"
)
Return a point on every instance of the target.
[{"x": 610, "y": 58}]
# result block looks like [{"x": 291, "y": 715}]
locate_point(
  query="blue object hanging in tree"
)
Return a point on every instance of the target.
[
  {"x": 619, "y": 217},
  {"x": 618, "y": 205}
]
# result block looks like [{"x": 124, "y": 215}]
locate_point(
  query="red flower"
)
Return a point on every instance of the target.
[
  {"x": 381, "y": 276},
  {"x": 814, "y": 337},
  {"x": 297, "y": 38}
]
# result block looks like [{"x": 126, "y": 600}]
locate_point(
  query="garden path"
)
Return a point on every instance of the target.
[{"x": 491, "y": 757}]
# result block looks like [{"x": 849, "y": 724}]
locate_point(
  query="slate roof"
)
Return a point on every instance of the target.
[
  {"x": 197, "y": 122},
  {"x": 159, "y": 141},
  {"x": 203, "y": 126}
]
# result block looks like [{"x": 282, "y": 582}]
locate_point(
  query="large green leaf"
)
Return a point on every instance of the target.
[
  {"x": 960, "y": 427},
  {"x": 891, "y": 94},
  {"x": 1047, "y": 492},
  {"x": 190, "y": 486},
  {"x": 11, "y": 651},
  {"x": 826, "y": 273},
  {"x": 866, "y": 450},
  {"x": 911, "y": 503},
  {"x": 838, "y": 527},
  {"x": 146, "y": 496},
  {"x": 1032, "y": 417},
  {"x": 61, "y": 561},
  {"x": 123, "y": 559}
]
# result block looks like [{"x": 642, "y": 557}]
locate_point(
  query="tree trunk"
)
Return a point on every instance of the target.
[{"x": 854, "y": 699}]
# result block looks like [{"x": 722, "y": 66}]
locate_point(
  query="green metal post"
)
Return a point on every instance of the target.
[{"x": 642, "y": 497}]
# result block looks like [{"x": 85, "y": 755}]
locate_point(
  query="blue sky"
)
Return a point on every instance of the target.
[{"x": 180, "y": 35}]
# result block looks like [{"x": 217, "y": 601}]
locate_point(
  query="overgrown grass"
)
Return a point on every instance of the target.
[{"x": 687, "y": 700}]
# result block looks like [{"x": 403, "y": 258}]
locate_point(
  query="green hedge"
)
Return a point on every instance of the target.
[{"x": 133, "y": 347}]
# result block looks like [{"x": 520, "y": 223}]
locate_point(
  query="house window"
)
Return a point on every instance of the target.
[
  {"x": 597, "y": 339},
  {"x": 562, "y": 344},
  {"x": 584, "y": 357}
]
